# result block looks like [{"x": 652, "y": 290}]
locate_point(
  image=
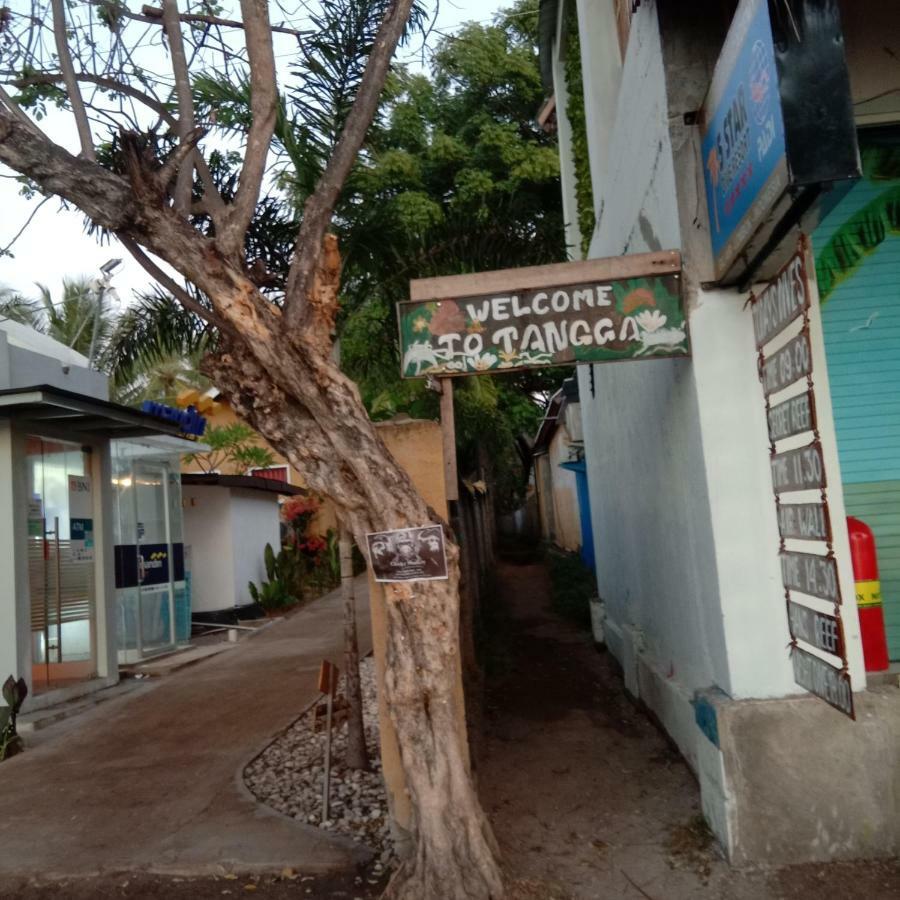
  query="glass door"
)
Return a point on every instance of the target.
[
  {"x": 61, "y": 565},
  {"x": 156, "y": 601}
]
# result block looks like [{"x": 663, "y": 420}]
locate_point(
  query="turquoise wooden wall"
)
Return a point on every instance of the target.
[{"x": 861, "y": 320}]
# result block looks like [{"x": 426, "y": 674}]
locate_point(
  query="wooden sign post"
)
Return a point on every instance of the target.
[{"x": 328, "y": 680}]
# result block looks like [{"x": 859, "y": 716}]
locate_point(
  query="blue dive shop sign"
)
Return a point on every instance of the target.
[
  {"x": 777, "y": 126},
  {"x": 188, "y": 420},
  {"x": 743, "y": 139}
]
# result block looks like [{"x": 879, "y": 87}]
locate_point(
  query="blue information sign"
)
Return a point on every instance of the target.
[{"x": 743, "y": 141}]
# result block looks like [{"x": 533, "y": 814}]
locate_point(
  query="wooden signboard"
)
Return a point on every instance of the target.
[
  {"x": 824, "y": 680},
  {"x": 787, "y": 365},
  {"x": 804, "y": 521},
  {"x": 785, "y": 299},
  {"x": 816, "y": 629},
  {"x": 592, "y": 311},
  {"x": 811, "y": 574},
  {"x": 802, "y": 469},
  {"x": 328, "y": 678},
  {"x": 793, "y": 416}
]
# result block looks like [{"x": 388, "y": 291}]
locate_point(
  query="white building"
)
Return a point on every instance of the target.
[
  {"x": 684, "y": 518},
  {"x": 60, "y": 536}
]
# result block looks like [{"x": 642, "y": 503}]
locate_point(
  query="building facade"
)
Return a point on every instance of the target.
[{"x": 686, "y": 532}]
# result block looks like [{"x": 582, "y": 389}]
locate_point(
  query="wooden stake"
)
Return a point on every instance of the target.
[
  {"x": 448, "y": 429},
  {"x": 326, "y": 786}
]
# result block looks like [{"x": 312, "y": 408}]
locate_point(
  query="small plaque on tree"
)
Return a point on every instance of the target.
[{"x": 408, "y": 554}]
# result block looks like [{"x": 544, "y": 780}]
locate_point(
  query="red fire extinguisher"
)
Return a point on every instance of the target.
[{"x": 868, "y": 595}]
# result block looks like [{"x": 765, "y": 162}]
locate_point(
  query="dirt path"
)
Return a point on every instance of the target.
[{"x": 584, "y": 792}]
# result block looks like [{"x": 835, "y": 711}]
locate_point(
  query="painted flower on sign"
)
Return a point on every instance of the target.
[
  {"x": 636, "y": 299},
  {"x": 448, "y": 319},
  {"x": 420, "y": 324},
  {"x": 482, "y": 362},
  {"x": 650, "y": 321}
]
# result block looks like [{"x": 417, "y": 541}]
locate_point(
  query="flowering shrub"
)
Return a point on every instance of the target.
[{"x": 313, "y": 551}]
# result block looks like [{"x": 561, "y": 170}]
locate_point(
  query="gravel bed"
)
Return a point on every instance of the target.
[{"x": 287, "y": 776}]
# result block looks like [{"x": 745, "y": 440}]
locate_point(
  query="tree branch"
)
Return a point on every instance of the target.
[
  {"x": 103, "y": 196},
  {"x": 212, "y": 198},
  {"x": 263, "y": 108},
  {"x": 17, "y": 111},
  {"x": 319, "y": 207},
  {"x": 172, "y": 26},
  {"x": 72, "y": 89},
  {"x": 175, "y": 164},
  {"x": 109, "y": 84},
  {"x": 172, "y": 286},
  {"x": 154, "y": 14}
]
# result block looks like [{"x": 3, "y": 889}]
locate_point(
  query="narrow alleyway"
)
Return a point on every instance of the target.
[{"x": 587, "y": 798}]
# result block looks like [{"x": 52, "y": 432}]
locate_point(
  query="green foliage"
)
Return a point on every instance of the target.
[
  {"x": 584, "y": 192},
  {"x": 572, "y": 586},
  {"x": 281, "y": 588},
  {"x": 234, "y": 446},
  {"x": 14, "y": 694}
]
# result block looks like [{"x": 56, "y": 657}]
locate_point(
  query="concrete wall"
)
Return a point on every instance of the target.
[
  {"x": 565, "y": 493},
  {"x": 841, "y": 802},
  {"x": 21, "y": 367},
  {"x": 324, "y": 519},
  {"x": 677, "y": 451},
  {"x": 254, "y": 523},
  {"x": 208, "y": 533}
]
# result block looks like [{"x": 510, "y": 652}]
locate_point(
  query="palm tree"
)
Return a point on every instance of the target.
[
  {"x": 151, "y": 350},
  {"x": 70, "y": 320}
]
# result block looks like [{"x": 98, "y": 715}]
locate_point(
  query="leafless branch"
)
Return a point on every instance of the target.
[
  {"x": 4, "y": 251},
  {"x": 175, "y": 164},
  {"x": 17, "y": 111},
  {"x": 102, "y": 195},
  {"x": 319, "y": 207},
  {"x": 212, "y": 199},
  {"x": 263, "y": 108},
  {"x": 155, "y": 14},
  {"x": 172, "y": 26},
  {"x": 172, "y": 286},
  {"x": 72, "y": 89}
]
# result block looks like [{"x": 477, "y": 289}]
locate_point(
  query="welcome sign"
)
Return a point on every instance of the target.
[{"x": 593, "y": 311}]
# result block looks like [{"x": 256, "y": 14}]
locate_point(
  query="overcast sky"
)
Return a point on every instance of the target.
[{"x": 54, "y": 244}]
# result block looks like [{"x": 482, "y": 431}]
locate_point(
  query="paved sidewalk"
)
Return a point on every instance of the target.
[{"x": 153, "y": 780}]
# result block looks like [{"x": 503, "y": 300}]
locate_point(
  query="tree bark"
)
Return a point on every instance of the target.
[{"x": 357, "y": 753}]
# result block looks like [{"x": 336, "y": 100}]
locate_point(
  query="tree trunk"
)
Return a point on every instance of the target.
[
  {"x": 321, "y": 426},
  {"x": 357, "y": 754}
]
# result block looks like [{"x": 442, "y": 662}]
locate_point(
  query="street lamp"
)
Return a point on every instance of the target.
[{"x": 101, "y": 286}]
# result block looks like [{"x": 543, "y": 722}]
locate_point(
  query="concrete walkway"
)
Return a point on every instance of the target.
[{"x": 153, "y": 780}]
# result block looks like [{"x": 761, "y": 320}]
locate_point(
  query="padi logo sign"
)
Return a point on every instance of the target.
[{"x": 188, "y": 420}]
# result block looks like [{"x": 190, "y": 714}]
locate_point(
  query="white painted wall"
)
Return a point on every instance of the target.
[
  {"x": 565, "y": 493},
  {"x": 254, "y": 523},
  {"x": 227, "y": 531},
  {"x": 208, "y": 533}
]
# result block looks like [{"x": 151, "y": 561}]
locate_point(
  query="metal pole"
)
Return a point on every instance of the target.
[
  {"x": 326, "y": 787},
  {"x": 98, "y": 302},
  {"x": 58, "y": 595}
]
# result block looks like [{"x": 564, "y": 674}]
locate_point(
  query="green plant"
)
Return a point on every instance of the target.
[
  {"x": 14, "y": 694},
  {"x": 572, "y": 586},
  {"x": 282, "y": 588},
  {"x": 233, "y": 445},
  {"x": 584, "y": 192}
]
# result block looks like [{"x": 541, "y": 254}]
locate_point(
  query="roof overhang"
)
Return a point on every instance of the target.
[
  {"x": 78, "y": 414},
  {"x": 247, "y": 482}
]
